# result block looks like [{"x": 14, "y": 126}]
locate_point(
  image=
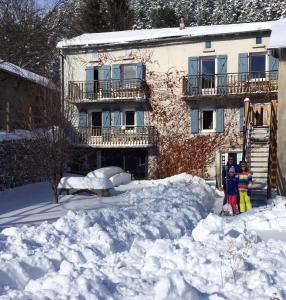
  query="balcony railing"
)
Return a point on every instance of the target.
[
  {"x": 113, "y": 137},
  {"x": 90, "y": 91},
  {"x": 230, "y": 84}
]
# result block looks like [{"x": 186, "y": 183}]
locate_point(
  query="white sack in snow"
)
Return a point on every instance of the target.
[
  {"x": 120, "y": 179},
  {"x": 81, "y": 183},
  {"x": 106, "y": 172}
]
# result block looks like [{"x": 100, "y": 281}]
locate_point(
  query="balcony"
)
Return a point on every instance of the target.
[
  {"x": 230, "y": 84},
  {"x": 114, "y": 137},
  {"x": 106, "y": 91}
]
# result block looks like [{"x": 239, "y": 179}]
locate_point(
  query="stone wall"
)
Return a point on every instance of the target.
[{"x": 21, "y": 162}]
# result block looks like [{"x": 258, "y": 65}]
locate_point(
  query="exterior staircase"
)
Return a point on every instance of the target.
[
  {"x": 258, "y": 162},
  {"x": 260, "y": 152}
]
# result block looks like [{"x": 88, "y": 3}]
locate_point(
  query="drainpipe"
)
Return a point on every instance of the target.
[{"x": 62, "y": 81}]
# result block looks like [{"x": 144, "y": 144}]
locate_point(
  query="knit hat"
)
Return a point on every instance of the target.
[{"x": 231, "y": 169}]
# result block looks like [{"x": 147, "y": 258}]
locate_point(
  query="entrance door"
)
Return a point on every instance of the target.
[
  {"x": 261, "y": 114},
  {"x": 96, "y": 123}
]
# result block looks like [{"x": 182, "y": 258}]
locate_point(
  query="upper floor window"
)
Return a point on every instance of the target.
[
  {"x": 257, "y": 64},
  {"x": 258, "y": 40},
  {"x": 128, "y": 71},
  {"x": 208, "y": 72},
  {"x": 208, "y": 44}
]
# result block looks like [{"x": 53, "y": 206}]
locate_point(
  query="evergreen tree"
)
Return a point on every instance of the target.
[
  {"x": 163, "y": 17},
  {"x": 108, "y": 15}
]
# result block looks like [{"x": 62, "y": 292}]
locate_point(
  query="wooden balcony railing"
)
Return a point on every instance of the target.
[
  {"x": 89, "y": 91},
  {"x": 115, "y": 136},
  {"x": 230, "y": 84}
]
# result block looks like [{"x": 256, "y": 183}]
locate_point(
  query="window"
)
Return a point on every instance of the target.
[
  {"x": 208, "y": 44},
  {"x": 130, "y": 119},
  {"x": 128, "y": 72},
  {"x": 257, "y": 65},
  {"x": 208, "y": 120},
  {"x": 258, "y": 40},
  {"x": 208, "y": 72}
]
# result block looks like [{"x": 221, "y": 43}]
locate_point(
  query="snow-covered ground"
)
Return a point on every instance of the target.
[{"x": 150, "y": 240}]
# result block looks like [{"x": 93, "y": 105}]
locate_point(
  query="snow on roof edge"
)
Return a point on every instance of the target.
[
  {"x": 123, "y": 37},
  {"x": 25, "y": 74}
]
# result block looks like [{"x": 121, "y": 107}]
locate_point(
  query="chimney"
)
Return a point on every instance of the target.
[{"x": 182, "y": 24}]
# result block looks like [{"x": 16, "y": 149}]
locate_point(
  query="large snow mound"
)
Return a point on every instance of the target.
[
  {"x": 114, "y": 253},
  {"x": 157, "y": 240}
]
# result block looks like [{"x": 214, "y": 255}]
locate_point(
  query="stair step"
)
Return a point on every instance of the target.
[
  {"x": 259, "y": 169},
  {"x": 261, "y": 149},
  {"x": 259, "y": 185},
  {"x": 258, "y": 164},
  {"x": 259, "y": 174},
  {"x": 257, "y": 156}
]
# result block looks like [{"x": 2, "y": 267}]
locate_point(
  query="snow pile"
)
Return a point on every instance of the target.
[
  {"x": 85, "y": 183},
  {"x": 120, "y": 179},
  {"x": 125, "y": 252},
  {"x": 106, "y": 172},
  {"x": 158, "y": 240}
]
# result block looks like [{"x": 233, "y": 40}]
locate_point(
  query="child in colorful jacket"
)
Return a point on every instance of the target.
[
  {"x": 245, "y": 188},
  {"x": 232, "y": 188}
]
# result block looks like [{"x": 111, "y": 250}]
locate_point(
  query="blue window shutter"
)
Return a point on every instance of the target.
[
  {"x": 105, "y": 126},
  {"x": 243, "y": 66},
  {"x": 106, "y": 119},
  {"x": 273, "y": 66},
  {"x": 222, "y": 74},
  {"x": 220, "y": 120},
  {"x": 241, "y": 118},
  {"x": 89, "y": 85},
  {"x": 82, "y": 119},
  {"x": 116, "y": 72},
  {"x": 116, "y": 120},
  {"x": 140, "y": 71},
  {"x": 140, "y": 120},
  {"x": 194, "y": 121},
  {"x": 193, "y": 75},
  {"x": 105, "y": 81}
]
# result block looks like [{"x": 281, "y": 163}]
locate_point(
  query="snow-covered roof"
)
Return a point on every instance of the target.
[
  {"x": 278, "y": 36},
  {"x": 23, "y": 73},
  {"x": 128, "y": 36}
]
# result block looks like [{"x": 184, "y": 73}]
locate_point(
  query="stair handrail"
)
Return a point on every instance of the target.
[
  {"x": 247, "y": 127},
  {"x": 272, "y": 147}
]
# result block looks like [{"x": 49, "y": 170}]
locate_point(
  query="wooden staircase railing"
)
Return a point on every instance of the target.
[
  {"x": 272, "y": 159},
  {"x": 247, "y": 126}
]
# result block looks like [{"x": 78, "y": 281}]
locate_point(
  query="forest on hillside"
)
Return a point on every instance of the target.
[{"x": 29, "y": 33}]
